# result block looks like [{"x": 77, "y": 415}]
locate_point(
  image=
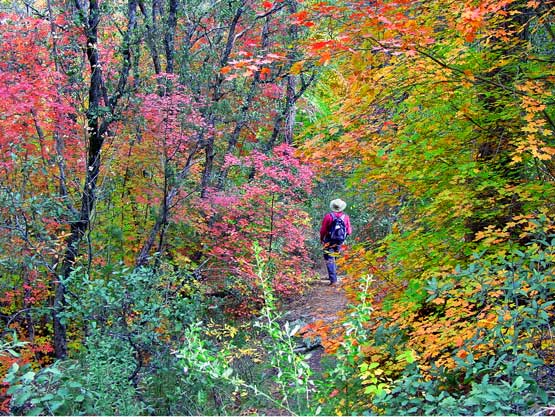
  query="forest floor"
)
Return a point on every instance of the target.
[{"x": 320, "y": 302}]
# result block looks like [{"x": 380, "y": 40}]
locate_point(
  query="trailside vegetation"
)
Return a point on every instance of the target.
[{"x": 442, "y": 113}]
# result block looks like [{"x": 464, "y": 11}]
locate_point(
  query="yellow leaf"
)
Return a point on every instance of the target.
[{"x": 297, "y": 67}]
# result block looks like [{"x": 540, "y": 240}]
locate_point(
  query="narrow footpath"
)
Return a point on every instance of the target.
[{"x": 321, "y": 302}]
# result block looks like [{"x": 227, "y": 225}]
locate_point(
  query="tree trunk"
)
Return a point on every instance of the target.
[
  {"x": 290, "y": 106},
  {"x": 291, "y": 109},
  {"x": 97, "y": 129},
  {"x": 164, "y": 213},
  {"x": 169, "y": 42},
  {"x": 208, "y": 171},
  {"x": 245, "y": 108}
]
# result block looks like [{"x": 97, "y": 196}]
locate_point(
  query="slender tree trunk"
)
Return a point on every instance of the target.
[
  {"x": 158, "y": 228},
  {"x": 29, "y": 322},
  {"x": 151, "y": 32},
  {"x": 207, "y": 173},
  {"x": 245, "y": 108},
  {"x": 290, "y": 106},
  {"x": 169, "y": 38},
  {"x": 291, "y": 109},
  {"x": 295, "y": 87},
  {"x": 97, "y": 129},
  {"x": 209, "y": 154}
]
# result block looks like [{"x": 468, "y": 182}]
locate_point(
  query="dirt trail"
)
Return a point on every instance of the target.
[{"x": 320, "y": 302}]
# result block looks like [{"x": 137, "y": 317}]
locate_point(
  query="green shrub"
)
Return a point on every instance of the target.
[
  {"x": 125, "y": 326},
  {"x": 284, "y": 381},
  {"x": 510, "y": 376}
]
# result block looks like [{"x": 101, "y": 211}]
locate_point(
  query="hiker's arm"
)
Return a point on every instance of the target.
[
  {"x": 348, "y": 226},
  {"x": 324, "y": 228}
]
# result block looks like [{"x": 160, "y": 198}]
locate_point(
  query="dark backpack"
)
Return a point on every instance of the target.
[{"x": 337, "y": 233}]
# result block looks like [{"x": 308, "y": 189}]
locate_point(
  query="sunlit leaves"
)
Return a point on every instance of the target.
[{"x": 443, "y": 110}]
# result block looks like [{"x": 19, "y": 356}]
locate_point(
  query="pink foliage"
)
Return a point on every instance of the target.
[
  {"x": 31, "y": 102},
  {"x": 173, "y": 119},
  {"x": 272, "y": 91},
  {"x": 264, "y": 210}
]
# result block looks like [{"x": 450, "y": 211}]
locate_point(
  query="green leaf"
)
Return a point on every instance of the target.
[
  {"x": 519, "y": 382},
  {"x": 227, "y": 373},
  {"x": 35, "y": 411},
  {"x": 13, "y": 353},
  {"x": 55, "y": 405},
  {"x": 14, "y": 367},
  {"x": 28, "y": 377}
]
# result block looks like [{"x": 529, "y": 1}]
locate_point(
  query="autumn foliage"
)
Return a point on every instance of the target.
[
  {"x": 445, "y": 121},
  {"x": 165, "y": 165},
  {"x": 127, "y": 142}
]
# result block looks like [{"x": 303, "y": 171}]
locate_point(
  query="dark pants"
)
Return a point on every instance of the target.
[{"x": 331, "y": 253}]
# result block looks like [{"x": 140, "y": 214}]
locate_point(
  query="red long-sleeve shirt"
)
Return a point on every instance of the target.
[{"x": 327, "y": 221}]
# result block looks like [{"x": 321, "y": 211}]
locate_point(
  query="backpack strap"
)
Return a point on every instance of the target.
[{"x": 333, "y": 216}]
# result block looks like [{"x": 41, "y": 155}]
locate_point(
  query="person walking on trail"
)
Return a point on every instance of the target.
[{"x": 336, "y": 226}]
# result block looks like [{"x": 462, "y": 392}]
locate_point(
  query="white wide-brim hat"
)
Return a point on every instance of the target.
[{"x": 338, "y": 205}]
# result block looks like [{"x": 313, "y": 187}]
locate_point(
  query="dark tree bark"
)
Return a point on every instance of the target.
[
  {"x": 98, "y": 125},
  {"x": 245, "y": 108},
  {"x": 169, "y": 38},
  {"x": 158, "y": 229},
  {"x": 291, "y": 99},
  {"x": 291, "y": 82},
  {"x": 217, "y": 95},
  {"x": 151, "y": 32}
]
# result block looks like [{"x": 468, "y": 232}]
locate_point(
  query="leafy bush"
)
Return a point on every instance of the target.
[
  {"x": 129, "y": 322},
  {"x": 149, "y": 347},
  {"x": 285, "y": 382},
  {"x": 339, "y": 391},
  {"x": 478, "y": 342},
  {"x": 504, "y": 367}
]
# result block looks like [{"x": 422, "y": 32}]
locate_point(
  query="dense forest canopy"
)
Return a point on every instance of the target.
[{"x": 164, "y": 169}]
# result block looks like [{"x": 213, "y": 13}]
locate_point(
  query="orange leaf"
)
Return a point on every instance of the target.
[
  {"x": 319, "y": 45},
  {"x": 297, "y": 67},
  {"x": 325, "y": 58},
  {"x": 264, "y": 72},
  {"x": 300, "y": 16}
]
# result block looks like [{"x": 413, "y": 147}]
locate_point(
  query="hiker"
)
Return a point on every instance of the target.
[{"x": 336, "y": 226}]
